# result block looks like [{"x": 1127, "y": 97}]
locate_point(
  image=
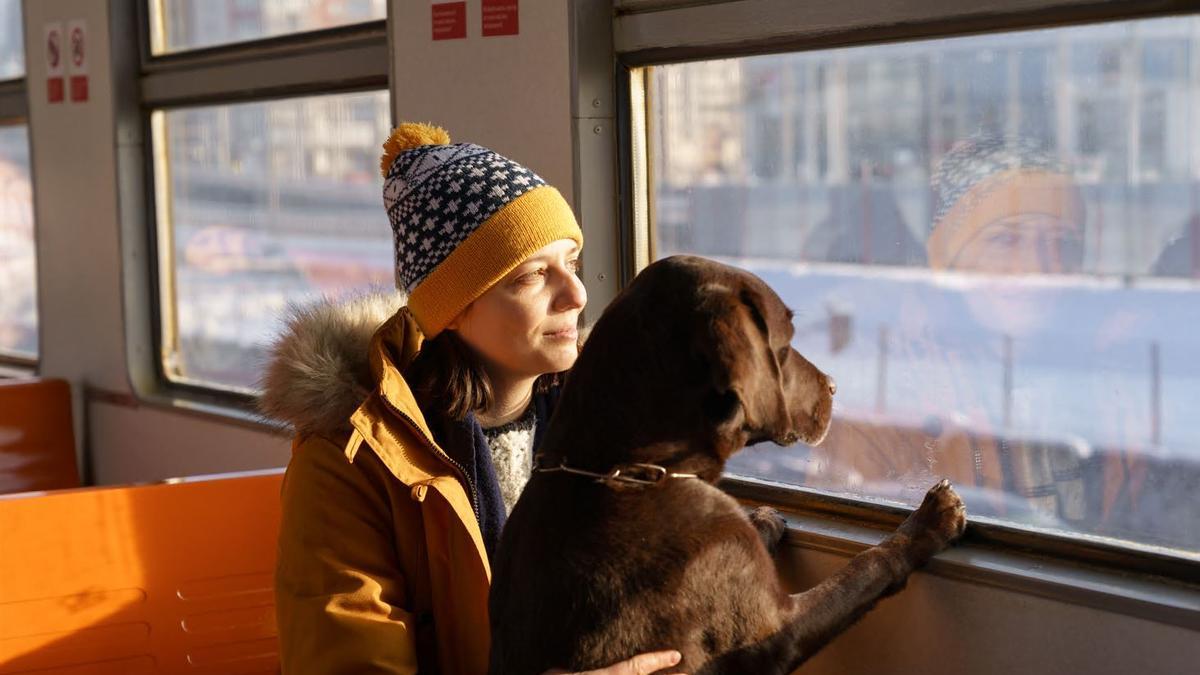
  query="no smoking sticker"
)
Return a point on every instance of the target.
[
  {"x": 55, "y": 61},
  {"x": 77, "y": 59}
]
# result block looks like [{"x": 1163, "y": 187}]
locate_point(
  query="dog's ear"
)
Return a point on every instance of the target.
[
  {"x": 732, "y": 346},
  {"x": 764, "y": 396}
]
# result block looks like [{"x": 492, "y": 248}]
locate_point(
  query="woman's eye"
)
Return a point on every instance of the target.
[
  {"x": 573, "y": 265},
  {"x": 530, "y": 277},
  {"x": 1006, "y": 238}
]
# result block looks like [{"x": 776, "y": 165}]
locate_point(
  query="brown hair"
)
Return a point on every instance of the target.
[{"x": 447, "y": 376}]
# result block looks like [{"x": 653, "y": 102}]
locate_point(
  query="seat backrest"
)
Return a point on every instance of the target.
[
  {"x": 37, "y": 440},
  {"x": 166, "y": 578}
]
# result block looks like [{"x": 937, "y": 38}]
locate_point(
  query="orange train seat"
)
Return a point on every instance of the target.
[
  {"x": 37, "y": 440},
  {"x": 165, "y": 578}
]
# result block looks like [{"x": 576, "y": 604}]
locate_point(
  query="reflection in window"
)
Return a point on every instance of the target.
[
  {"x": 993, "y": 243},
  {"x": 178, "y": 25},
  {"x": 12, "y": 43},
  {"x": 18, "y": 263},
  {"x": 265, "y": 203}
]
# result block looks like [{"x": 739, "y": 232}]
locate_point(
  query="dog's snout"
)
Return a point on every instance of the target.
[{"x": 829, "y": 381}]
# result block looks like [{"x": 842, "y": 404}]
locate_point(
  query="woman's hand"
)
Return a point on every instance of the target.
[{"x": 642, "y": 664}]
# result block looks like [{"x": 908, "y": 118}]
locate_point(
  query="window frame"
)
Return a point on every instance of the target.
[
  {"x": 146, "y": 28},
  {"x": 648, "y": 33},
  {"x": 346, "y": 59}
]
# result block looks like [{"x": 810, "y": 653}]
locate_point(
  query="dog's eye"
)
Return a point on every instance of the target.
[{"x": 783, "y": 353}]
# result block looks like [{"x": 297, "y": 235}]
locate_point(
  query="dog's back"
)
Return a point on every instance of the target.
[{"x": 626, "y": 571}]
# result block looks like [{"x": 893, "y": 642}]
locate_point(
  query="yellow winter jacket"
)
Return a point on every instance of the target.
[{"x": 381, "y": 561}]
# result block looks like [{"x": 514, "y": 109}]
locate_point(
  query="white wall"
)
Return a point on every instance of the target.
[
  {"x": 510, "y": 93},
  {"x": 145, "y": 444},
  {"x": 74, "y": 192}
]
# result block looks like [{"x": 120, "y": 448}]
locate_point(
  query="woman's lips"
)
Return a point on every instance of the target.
[{"x": 564, "y": 334}]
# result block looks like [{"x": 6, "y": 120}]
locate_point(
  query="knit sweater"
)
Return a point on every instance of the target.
[{"x": 511, "y": 446}]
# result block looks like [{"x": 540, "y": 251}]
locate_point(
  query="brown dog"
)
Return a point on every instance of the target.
[{"x": 607, "y": 555}]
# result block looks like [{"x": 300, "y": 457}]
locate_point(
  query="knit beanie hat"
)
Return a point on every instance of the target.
[
  {"x": 987, "y": 178},
  {"x": 462, "y": 217}
]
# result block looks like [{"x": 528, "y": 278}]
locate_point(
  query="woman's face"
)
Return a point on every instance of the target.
[
  {"x": 526, "y": 324},
  {"x": 1024, "y": 245}
]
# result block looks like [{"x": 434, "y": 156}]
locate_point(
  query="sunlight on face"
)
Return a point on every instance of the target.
[{"x": 526, "y": 324}]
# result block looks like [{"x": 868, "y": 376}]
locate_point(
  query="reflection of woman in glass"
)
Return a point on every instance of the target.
[{"x": 1005, "y": 213}]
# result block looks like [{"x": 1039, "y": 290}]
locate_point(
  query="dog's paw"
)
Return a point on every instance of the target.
[
  {"x": 941, "y": 518},
  {"x": 770, "y": 525}
]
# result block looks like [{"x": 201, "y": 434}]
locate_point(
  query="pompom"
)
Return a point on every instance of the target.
[{"x": 408, "y": 136}]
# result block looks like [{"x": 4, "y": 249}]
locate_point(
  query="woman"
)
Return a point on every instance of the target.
[{"x": 415, "y": 425}]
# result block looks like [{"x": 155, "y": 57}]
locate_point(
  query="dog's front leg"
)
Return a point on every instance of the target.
[
  {"x": 825, "y": 610},
  {"x": 770, "y": 526},
  {"x": 829, "y": 608}
]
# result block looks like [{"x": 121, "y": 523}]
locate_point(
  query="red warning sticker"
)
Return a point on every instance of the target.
[
  {"x": 500, "y": 17},
  {"x": 449, "y": 20},
  {"x": 79, "y": 88},
  {"x": 54, "y": 89}
]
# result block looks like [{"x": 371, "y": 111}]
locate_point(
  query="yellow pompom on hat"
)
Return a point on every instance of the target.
[{"x": 462, "y": 218}]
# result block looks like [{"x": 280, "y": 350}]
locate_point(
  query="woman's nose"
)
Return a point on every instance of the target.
[{"x": 572, "y": 294}]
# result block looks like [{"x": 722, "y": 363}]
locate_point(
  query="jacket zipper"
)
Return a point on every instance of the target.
[{"x": 462, "y": 472}]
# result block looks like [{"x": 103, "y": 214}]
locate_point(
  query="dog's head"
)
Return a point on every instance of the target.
[
  {"x": 700, "y": 350},
  {"x": 759, "y": 387}
]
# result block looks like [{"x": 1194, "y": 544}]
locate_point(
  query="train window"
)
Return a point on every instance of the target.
[
  {"x": 12, "y": 44},
  {"x": 260, "y": 204},
  {"x": 992, "y": 242},
  {"x": 18, "y": 265},
  {"x": 179, "y": 25}
]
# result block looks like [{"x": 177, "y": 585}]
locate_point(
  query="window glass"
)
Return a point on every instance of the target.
[
  {"x": 12, "y": 43},
  {"x": 261, "y": 204},
  {"x": 179, "y": 25},
  {"x": 992, "y": 243},
  {"x": 18, "y": 265}
]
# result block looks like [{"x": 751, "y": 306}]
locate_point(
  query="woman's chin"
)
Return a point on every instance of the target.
[{"x": 558, "y": 358}]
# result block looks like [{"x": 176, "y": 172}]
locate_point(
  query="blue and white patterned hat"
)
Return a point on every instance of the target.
[{"x": 462, "y": 217}]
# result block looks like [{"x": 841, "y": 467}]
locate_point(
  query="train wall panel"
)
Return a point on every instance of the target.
[
  {"x": 135, "y": 445},
  {"x": 938, "y": 625},
  {"x": 75, "y": 204}
]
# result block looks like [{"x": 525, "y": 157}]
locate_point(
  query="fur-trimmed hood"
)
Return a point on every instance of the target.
[{"x": 319, "y": 370}]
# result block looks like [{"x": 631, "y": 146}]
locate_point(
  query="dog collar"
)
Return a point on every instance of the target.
[{"x": 637, "y": 473}]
